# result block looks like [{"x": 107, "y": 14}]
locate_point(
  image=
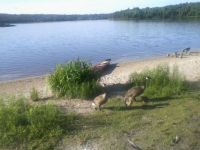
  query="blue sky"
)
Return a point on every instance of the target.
[{"x": 78, "y": 6}]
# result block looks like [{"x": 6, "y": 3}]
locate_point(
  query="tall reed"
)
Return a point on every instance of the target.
[
  {"x": 75, "y": 79},
  {"x": 162, "y": 83}
]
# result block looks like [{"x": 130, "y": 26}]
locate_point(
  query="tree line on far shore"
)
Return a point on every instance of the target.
[
  {"x": 180, "y": 11},
  {"x": 25, "y": 18}
]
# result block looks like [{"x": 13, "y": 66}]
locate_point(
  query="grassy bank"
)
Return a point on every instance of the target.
[
  {"x": 169, "y": 120},
  {"x": 151, "y": 126},
  {"x": 23, "y": 126}
]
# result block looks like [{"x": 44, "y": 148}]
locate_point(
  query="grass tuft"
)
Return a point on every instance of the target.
[
  {"x": 32, "y": 127},
  {"x": 75, "y": 79},
  {"x": 34, "y": 95},
  {"x": 163, "y": 82}
]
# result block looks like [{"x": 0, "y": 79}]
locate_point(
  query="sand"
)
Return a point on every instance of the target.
[
  {"x": 189, "y": 66},
  {"x": 24, "y": 86}
]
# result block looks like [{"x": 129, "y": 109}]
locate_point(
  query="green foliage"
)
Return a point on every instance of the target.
[
  {"x": 34, "y": 95},
  {"x": 162, "y": 83},
  {"x": 5, "y": 19},
  {"x": 31, "y": 127},
  {"x": 74, "y": 80},
  {"x": 180, "y": 11}
]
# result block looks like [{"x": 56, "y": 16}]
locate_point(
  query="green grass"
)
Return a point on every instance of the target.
[
  {"x": 172, "y": 111},
  {"x": 162, "y": 83},
  {"x": 34, "y": 95},
  {"x": 32, "y": 127},
  {"x": 75, "y": 79},
  {"x": 151, "y": 126}
]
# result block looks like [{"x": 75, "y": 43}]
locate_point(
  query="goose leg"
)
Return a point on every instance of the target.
[{"x": 130, "y": 101}]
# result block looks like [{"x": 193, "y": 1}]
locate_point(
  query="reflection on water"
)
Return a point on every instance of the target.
[{"x": 35, "y": 49}]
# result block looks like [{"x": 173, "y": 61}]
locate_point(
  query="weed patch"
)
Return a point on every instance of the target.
[
  {"x": 163, "y": 82},
  {"x": 32, "y": 127},
  {"x": 34, "y": 95},
  {"x": 75, "y": 80}
]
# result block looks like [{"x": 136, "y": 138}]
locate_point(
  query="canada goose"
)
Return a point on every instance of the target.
[
  {"x": 99, "y": 101},
  {"x": 132, "y": 93}
]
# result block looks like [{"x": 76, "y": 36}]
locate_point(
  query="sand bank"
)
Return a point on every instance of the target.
[{"x": 189, "y": 66}]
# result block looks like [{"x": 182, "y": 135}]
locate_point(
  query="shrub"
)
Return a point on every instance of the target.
[
  {"x": 163, "y": 82},
  {"x": 32, "y": 127},
  {"x": 74, "y": 80},
  {"x": 34, "y": 95}
]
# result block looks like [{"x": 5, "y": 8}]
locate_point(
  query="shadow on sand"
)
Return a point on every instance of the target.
[
  {"x": 117, "y": 89},
  {"x": 194, "y": 85},
  {"x": 114, "y": 89},
  {"x": 108, "y": 70}
]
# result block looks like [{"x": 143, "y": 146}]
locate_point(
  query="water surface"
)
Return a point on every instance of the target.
[{"x": 35, "y": 49}]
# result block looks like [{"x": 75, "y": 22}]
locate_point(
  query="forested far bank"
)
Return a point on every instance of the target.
[
  {"x": 180, "y": 11},
  {"x": 25, "y": 18}
]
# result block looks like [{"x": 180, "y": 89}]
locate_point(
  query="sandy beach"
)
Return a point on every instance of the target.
[{"x": 189, "y": 66}]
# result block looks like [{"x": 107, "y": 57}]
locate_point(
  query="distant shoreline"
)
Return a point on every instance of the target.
[
  {"x": 3, "y": 25},
  {"x": 177, "y": 12}
]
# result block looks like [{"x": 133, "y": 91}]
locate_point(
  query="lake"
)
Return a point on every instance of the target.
[{"x": 35, "y": 48}]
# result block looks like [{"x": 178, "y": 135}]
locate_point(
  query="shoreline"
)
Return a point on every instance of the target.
[
  {"x": 120, "y": 61},
  {"x": 24, "y": 78},
  {"x": 188, "y": 67},
  {"x": 116, "y": 74}
]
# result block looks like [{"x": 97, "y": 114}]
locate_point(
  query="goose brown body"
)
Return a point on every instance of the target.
[
  {"x": 134, "y": 92},
  {"x": 99, "y": 101}
]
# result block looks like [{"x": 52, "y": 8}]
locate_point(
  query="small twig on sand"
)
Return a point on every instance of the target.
[{"x": 134, "y": 145}]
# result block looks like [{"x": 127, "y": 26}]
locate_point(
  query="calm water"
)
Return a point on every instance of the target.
[{"x": 35, "y": 49}]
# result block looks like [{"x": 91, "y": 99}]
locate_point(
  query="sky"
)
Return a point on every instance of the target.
[{"x": 78, "y": 6}]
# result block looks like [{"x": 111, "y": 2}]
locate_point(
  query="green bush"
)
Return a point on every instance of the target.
[
  {"x": 162, "y": 83},
  {"x": 32, "y": 127},
  {"x": 75, "y": 80},
  {"x": 34, "y": 95}
]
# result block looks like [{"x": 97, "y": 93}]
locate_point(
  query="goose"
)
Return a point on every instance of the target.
[
  {"x": 134, "y": 92},
  {"x": 99, "y": 101}
]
